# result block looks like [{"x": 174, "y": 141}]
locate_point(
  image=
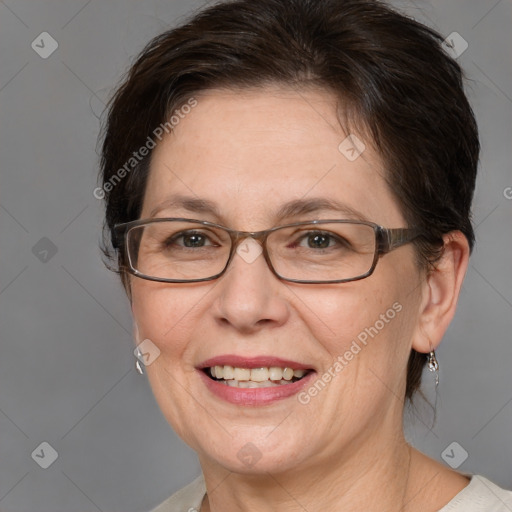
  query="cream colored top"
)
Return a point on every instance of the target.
[{"x": 480, "y": 495}]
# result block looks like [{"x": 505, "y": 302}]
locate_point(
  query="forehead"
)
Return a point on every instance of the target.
[{"x": 248, "y": 153}]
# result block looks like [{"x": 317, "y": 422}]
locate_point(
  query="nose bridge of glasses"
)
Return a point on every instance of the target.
[
  {"x": 249, "y": 245},
  {"x": 237, "y": 237}
]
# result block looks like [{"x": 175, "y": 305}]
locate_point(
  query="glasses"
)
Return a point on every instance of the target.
[{"x": 177, "y": 250}]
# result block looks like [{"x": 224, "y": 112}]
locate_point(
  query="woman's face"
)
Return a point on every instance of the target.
[{"x": 249, "y": 154}]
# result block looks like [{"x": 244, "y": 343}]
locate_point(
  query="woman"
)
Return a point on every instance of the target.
[{"x": 288, "y": 187}]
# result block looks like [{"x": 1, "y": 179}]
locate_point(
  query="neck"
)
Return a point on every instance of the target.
[{"x": 372, "y": 476}]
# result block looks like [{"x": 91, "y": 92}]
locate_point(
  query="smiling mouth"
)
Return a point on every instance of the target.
[{"x": 263, "y": 377}]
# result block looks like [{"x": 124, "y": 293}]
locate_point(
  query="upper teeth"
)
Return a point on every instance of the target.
[{"x": 255, "y": 374}]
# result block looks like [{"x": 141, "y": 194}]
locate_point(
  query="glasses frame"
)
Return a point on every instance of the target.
[{"x": 386, "y": 240}]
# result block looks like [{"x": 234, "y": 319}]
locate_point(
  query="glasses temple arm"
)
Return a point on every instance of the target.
[{"x": 390, "y": 239}]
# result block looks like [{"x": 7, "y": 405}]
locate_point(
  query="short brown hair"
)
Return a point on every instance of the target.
[{"x": 398, "y": 85}]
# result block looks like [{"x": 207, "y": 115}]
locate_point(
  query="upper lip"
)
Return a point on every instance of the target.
[{"x": 252, "y": 362}]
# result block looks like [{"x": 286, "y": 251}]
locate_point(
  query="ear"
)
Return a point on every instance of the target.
[{"x": 441, "y": 293}]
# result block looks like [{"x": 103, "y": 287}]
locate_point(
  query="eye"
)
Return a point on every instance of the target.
[
  {"x": 320, "y": 240},
  {"x": 188, "y": 239}
]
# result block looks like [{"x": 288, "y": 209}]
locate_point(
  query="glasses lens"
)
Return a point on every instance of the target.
[
  {"x": 322, "y": 252},
  {"x": 178, "y": 250}
]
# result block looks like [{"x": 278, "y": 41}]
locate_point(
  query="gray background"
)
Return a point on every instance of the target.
[{"x": 66, "y": 369}]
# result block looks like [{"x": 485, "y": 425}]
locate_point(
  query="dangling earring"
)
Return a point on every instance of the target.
[
  {"x": 137, "y": 354},
  {"x": 433, "y": 365}
]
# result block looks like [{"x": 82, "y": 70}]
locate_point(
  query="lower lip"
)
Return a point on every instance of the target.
[{"x": 254, "y": 396}]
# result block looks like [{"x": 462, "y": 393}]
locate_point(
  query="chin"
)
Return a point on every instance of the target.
[{"x": 257, "y": 453}]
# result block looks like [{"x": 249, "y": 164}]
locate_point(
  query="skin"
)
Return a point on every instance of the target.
[{"x": 250, "y": 152}]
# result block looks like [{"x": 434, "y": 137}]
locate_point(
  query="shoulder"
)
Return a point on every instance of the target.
[
  {"x": 187, "y": 499},
  {"x": 480, "y": 495}
]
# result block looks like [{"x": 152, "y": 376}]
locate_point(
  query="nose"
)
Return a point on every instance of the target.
[{"x": 249, "y": 296}]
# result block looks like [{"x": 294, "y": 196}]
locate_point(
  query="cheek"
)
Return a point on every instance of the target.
[
  {"x": 364, "y": 327},
  {"x": 337, "y": 315},
  {"x": 165, "y": 316},
  {"x": 169, "y": 319}
]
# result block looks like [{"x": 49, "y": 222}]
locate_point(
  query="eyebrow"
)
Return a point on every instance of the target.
[
  {"x": 294, "y": 208},
  {"x": 299, "y": 207},
  {"x": 191, "y": 204}
]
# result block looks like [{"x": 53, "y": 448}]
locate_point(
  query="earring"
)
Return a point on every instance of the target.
[
  {"x": 433, "y": 365},
  {"x": 138, "y": 366},
  {"x": 137, "y": 353}
]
